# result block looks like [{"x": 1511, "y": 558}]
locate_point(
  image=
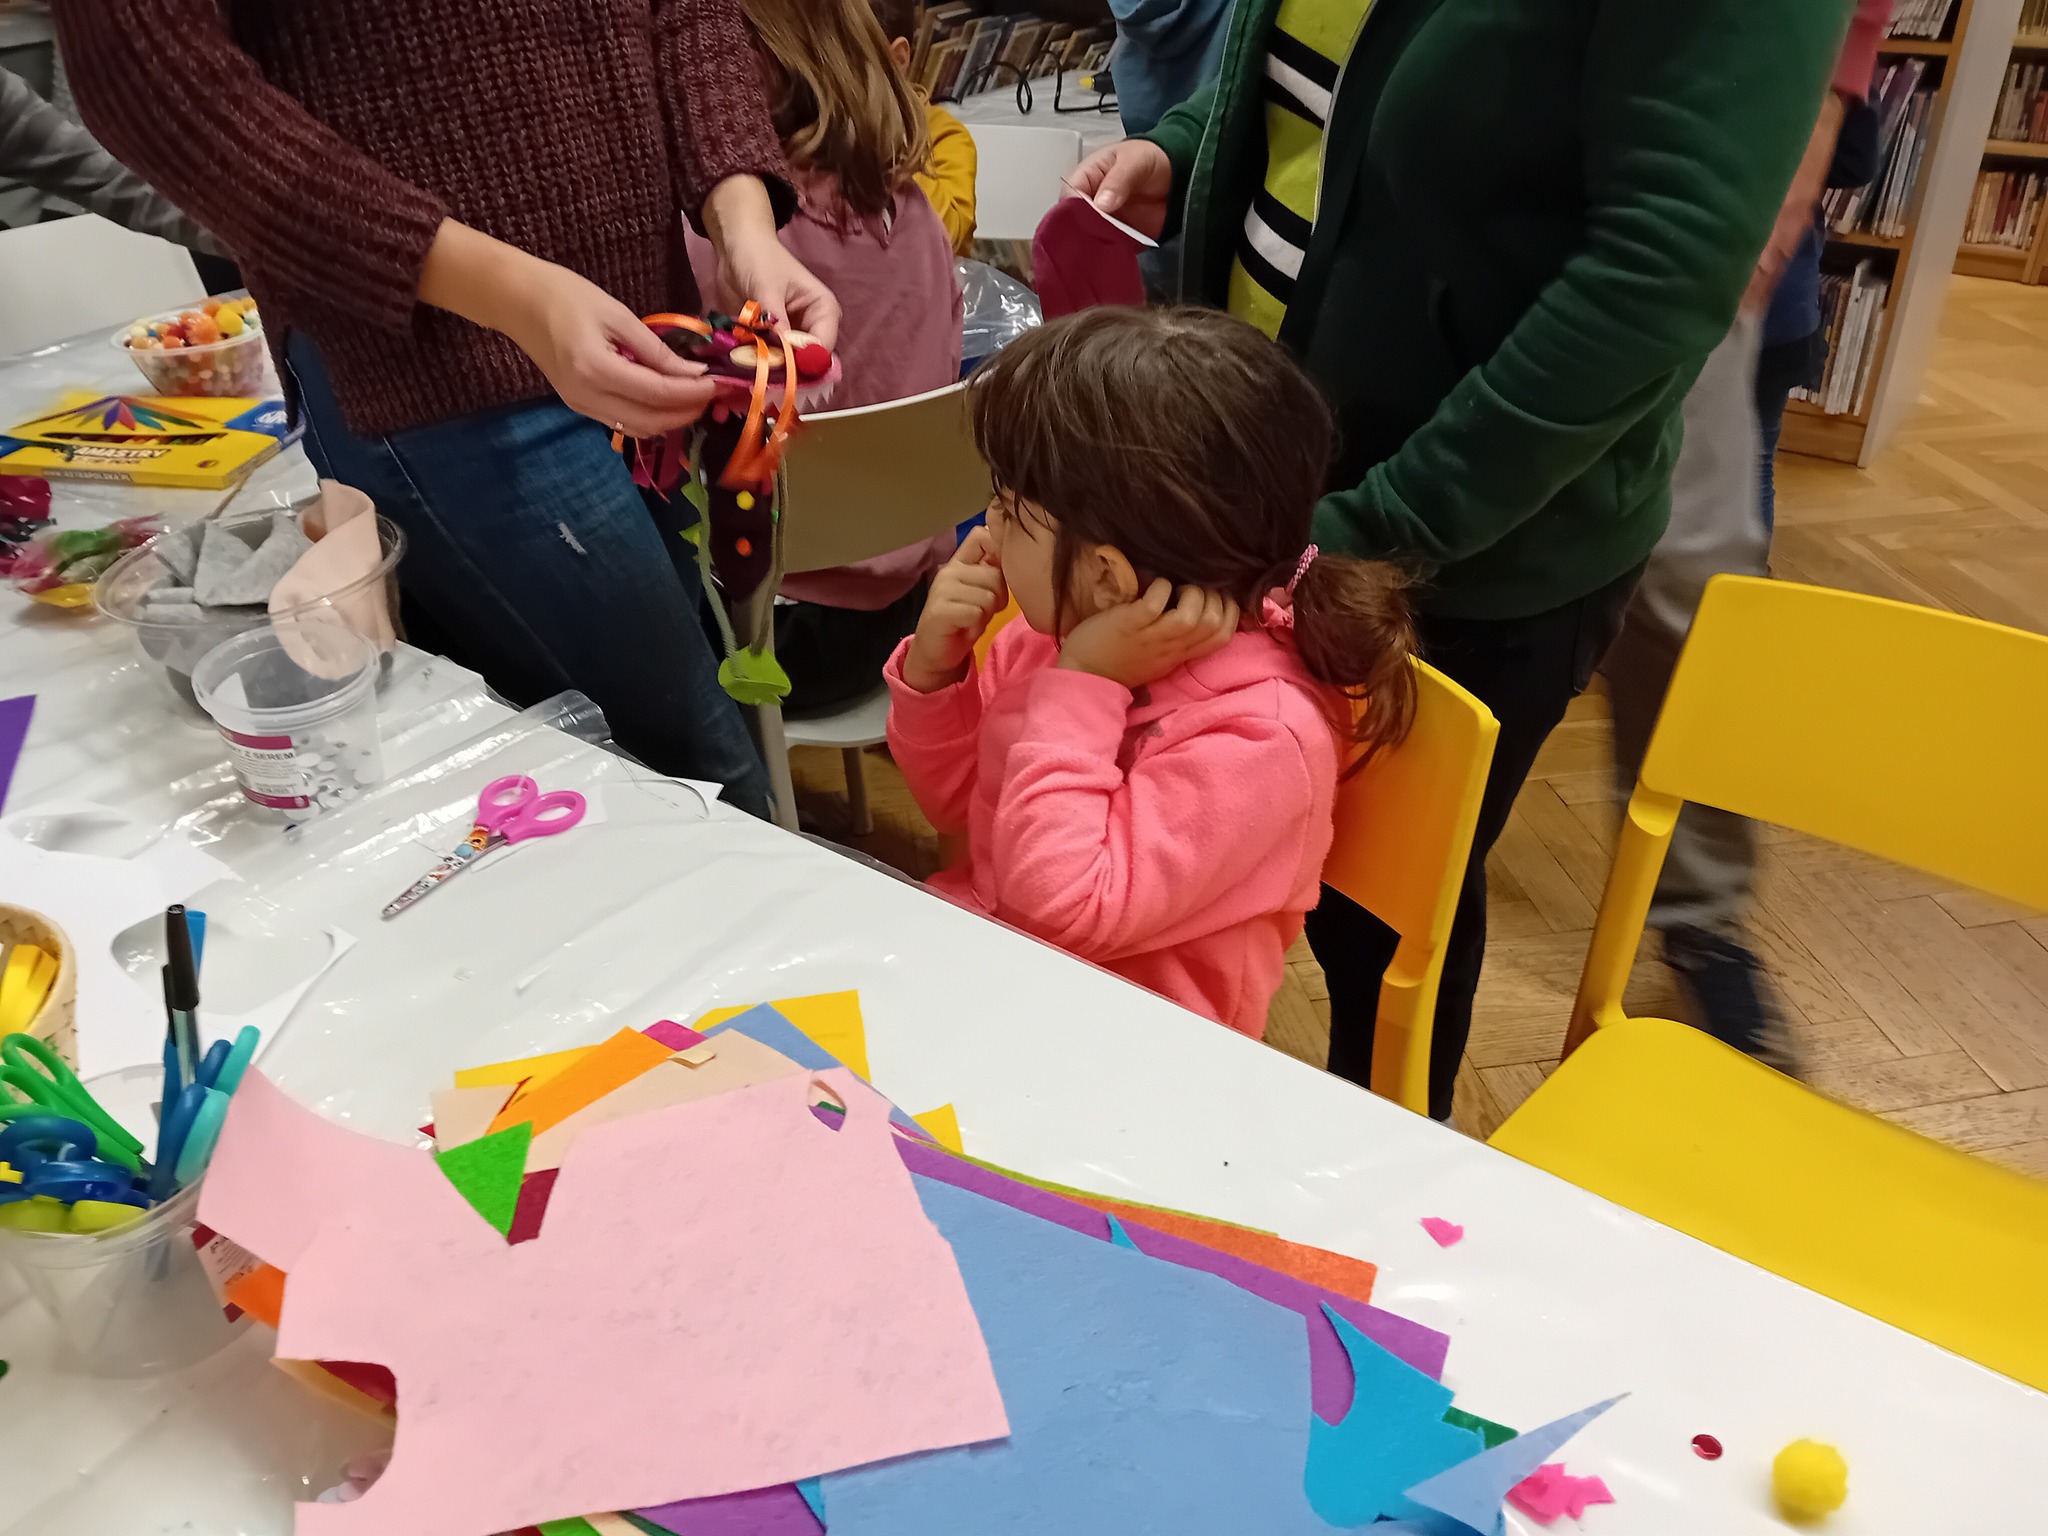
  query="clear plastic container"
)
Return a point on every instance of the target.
[
  {"x": 301, "y": 741},
  {"x": 172, "y": 647},
  {"x": 131, "y": 1302},
  {"x": 233, "y": 366}
]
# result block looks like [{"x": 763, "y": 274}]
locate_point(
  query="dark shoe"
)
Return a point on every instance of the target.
[{"x": 1724, "y": 986}]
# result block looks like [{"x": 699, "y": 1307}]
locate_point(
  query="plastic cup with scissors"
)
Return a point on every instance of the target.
[{"x": 510, "y": 810}]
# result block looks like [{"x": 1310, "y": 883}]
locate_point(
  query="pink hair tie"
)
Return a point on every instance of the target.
[{"x": 1308, "y": 558}]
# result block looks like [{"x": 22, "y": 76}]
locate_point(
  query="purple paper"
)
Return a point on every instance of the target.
[
  {"x": 1330, "y": 1368},
  {"x": 779, "y": 1511},
  {"x": 14, "y": 715}
]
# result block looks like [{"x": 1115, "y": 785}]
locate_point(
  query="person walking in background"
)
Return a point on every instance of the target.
[
  {"x": 1503, "y": 235},
  {"x": 453, "y": 247},
  {"x": 1720, "y": 526}
]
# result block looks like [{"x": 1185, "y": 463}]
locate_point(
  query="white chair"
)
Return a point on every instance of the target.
[
  {"x": 85, "y": 274},
  {"x": 857, "y": 484},
  {"x": 1019, "y": 174}
]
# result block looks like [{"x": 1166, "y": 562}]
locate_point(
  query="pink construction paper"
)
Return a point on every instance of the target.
[
  {"x": 726, "y": 1295},
  {"x": 281, "y": 1171},
  {"x": 1445, "y": 1232},
  {"x": 1550, "y": 1492}
]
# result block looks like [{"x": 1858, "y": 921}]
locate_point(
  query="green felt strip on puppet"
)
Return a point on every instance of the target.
[
  {"x": 487, "y": 1172},
  {"x": 754, "y": 677},
  {"x": 1494, "y": 1434}
]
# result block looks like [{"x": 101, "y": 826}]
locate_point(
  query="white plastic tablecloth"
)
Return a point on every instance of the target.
[{"x": 666, "y": 908}]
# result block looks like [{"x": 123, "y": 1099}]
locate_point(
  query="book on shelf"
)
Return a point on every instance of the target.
[
  {"x": 1852, "y": 313},
  {"x": 1904, "y": 100},
  {"x": 2005, "y": 209},
  {"x": 1921, "y": 18},
  {"x": 961, "y": 47},
  {"x": 2022, "y": 113},
  {"x": 2034, "y": 16}
]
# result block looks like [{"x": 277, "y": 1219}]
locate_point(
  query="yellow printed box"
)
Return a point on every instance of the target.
[{"x": 197, "y": 443}]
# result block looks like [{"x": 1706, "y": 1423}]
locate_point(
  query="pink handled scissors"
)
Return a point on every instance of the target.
[{"x": 510, "y": 810}]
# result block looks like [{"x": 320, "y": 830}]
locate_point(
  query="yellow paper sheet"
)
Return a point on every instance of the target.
[
  {"x": 513, "y": 1073},
  {"x": 944, "y": 1124},
  {"x": 830, "y": 1018}
]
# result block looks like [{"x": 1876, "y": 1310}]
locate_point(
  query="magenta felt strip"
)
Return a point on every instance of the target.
[
  {"x": 677, "y": 1037},
  {"x": 779, "y": 1511},
  {"x": 1423, "y": 1348}
]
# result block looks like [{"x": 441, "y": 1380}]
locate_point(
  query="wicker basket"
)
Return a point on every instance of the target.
[{"x": 56, "y": 1021}]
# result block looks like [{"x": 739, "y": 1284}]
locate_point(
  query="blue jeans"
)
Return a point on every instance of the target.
[{"x": 529, "y": 544}]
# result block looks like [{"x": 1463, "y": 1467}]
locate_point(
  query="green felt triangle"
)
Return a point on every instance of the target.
[
  {"x": 695, "y": 493},
  {"x": 1493, "y": 1434},
  {"x": 753, "y": 677},
  {"x": 577, "y": 1526},
  {"x": 486, "y": 1172}
]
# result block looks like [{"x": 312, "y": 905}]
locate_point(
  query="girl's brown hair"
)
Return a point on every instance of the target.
[
  {"x": 840, "y": 104},
  {"x": 1198, "y": 448}
]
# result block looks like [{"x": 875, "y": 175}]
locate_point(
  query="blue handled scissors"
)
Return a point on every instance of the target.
[
  {"x": 510, "y": 810},
  {"x": 35, "y": 1081},
  {"x": 55, "y": 1157}
]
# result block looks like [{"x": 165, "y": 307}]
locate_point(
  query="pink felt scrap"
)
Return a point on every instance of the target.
[
  {"x": 1550, "y": 1492},
  {"x": 1445, "y": 1232},
  {"x": 726, "y": 1294},
  {"x": 1079, "y": 259}
]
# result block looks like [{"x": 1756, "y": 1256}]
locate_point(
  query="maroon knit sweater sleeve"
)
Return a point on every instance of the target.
[
  {"x": 165, "y": 88},
  {"x": 711, "y": 99}
]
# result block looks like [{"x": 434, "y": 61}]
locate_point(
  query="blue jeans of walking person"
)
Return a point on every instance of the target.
[{"x": 529, "y": 545}]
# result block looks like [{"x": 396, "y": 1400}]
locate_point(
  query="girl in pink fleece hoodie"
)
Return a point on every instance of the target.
[{"x": 1146, "y": 768}]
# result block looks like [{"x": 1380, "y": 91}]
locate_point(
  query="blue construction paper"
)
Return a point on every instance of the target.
[
  {"x": 1393, "y": 1436},
  {"x": 764, "y": 1025},
  {"x": 1142, "y": 1397},
  {"x": 813, "y": 1491},
  {"x": 14, "y": 718},
  {"x": 1118, "y": 1235},
  {"x": 1473, "y": 1491}
]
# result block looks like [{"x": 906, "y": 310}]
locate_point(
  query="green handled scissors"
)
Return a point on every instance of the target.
[{"x": 35, "y": 1081}]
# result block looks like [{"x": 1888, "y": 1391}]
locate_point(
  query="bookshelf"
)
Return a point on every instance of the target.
[
  {"x": 2006, "y": 235},
  {"x": 1890, "y": 252},
  {"x": 963, "y": 47}
]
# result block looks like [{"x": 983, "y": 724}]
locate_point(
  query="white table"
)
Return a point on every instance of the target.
[{"x": 1553, "y": 1301}]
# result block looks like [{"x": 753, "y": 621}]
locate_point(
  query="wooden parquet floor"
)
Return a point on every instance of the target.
[{"x": 1905, "y": 995}]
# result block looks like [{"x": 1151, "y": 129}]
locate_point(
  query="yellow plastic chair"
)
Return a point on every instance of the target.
[
  {"x": 1404, "y": 833},
  {"x": 1915, "y": 735},
  {"x": 1673, "y": 1124}
]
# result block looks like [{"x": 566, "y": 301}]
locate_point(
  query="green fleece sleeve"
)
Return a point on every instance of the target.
[
  {"x": 1179, "y": 133},
  {"x": 1694, "y": 117}
]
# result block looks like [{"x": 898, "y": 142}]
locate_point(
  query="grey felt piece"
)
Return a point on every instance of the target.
[
  {"x": 229, "y": 572},
  {"x": 179, "y": 551},
  {"x": 175, "y": 613},
  {"x": 168, "y": 595}
]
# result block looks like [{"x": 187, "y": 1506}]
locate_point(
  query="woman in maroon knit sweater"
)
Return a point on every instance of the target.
[{"x": 453, "y": 213}]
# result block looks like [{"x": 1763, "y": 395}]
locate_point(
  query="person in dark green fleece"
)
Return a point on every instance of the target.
[{"x": 1503, "y": 235}]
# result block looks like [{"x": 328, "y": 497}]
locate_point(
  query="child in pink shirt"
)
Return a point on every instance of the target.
[
  {"x": 856, "y": 137},
  {"x": 1145, "y": 768}
]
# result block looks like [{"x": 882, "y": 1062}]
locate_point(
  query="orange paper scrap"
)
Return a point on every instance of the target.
[{"x": 609, "y": 1066}]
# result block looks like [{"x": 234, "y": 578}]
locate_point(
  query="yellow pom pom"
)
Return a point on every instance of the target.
[
  {"x": 1809, "y": 1480},
  {"x": 745, "y": 500}
]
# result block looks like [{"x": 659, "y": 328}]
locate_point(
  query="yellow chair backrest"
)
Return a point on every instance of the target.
[
  {"x": 1912, "y": 734},
  {"x": 1674, "y": 1125},
  {"x": 1004, "y": 614},
  {"x": 1404, "y": 832}
]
